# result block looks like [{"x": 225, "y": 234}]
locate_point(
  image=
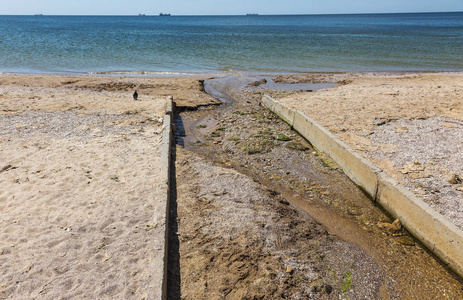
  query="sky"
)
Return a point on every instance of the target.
[{"x": 222, "y": 7}]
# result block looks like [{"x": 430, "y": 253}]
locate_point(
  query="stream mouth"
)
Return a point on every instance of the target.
[
  {"x": 233, "y": 87},
  {"x": 244, "y": 136}
]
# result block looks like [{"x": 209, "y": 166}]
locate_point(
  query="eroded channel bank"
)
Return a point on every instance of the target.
[{"x": 262, "y": 214}]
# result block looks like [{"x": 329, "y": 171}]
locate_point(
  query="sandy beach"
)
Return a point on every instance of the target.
[
  {"x": 79, "y": 184},
  {"x": 79, "y": 174},
  {"x": 410, "y": 125}
]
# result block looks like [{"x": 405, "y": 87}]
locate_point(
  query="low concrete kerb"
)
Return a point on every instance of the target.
[
  {"x": 438, "y": 234},
  {"x": 165, "y": 165}
]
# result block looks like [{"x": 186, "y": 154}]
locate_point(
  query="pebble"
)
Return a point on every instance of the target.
[
  {"x": 405, "y": 240},
  {"x": 395, "y": 226},
  {"x": 401, "y": 129},
  {"x": 454, "y": 179}
]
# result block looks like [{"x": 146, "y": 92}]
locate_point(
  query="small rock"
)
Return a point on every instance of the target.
[
  {"x": 258, "y": 82},
  {"x": 151, "y": 226},
  {"x": 454, "y": 179},
  {"x": 106, "y": 256},
  {"x": 449, "y": 125},
  {"x": 380, "y": 121},
  {"x": 296, "y": 146},
  {"x": 395, "y": 226},
  {"x": 366, "y": 133},
  {"x": 405, "y": 240},
  {"x": 284, "y": 201},
  {"x": 289, "y": 270},
  {"x": 5, "y": 168},
  {"x": 412, "y": 167},
  {"x": 364, "y": 220},
  {"x": 159, "y": 120},
  {"x": 401, "y": 129}
]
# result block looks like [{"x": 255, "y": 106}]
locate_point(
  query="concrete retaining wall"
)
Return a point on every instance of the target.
[
  {"x": 165, "y": 182},
  {"x": 432, "y": 229}
]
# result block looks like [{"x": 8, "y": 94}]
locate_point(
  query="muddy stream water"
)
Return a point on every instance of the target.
[{"x": 257, "y": 213}]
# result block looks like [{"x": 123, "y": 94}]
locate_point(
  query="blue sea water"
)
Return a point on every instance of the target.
[{"x": 204, "y": 44}]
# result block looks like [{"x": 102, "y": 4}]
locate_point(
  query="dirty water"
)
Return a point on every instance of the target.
[{"x": 260, "y": 214}]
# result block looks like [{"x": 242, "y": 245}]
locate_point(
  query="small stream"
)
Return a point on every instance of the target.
[{"x": 242, "y": 135}]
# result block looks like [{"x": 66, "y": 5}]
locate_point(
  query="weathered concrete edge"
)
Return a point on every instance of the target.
[
  {"x": 441, "y": 236},
  {"x": 437, "y": 233},
  {"x": 360, "y": 170},
  {"x": 165, "y": 165}
]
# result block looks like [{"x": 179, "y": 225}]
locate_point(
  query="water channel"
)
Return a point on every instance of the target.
[{"x": 243, "y": 136}]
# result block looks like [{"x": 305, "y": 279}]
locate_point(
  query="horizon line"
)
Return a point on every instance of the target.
[{"x": 231, "y": 15}]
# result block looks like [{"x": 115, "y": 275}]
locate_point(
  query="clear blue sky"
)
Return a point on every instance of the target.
[{"x": 222, "y": 7}]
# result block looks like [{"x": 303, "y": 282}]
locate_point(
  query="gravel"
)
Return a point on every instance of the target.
[{"x": 428, "y": 152}]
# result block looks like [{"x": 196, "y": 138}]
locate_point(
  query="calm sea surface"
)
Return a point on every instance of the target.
[{"x": 376, "y": 42}]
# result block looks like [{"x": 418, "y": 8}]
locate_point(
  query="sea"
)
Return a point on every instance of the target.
[{"x": 222, "y": 44}]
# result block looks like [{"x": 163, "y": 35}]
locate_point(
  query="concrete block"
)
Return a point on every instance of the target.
[
  {"x": 268, "y": 102},
  {"x": 359, "y": 170},
  {"x": 170, "y": 106},
  {"x": 282, "y": 111},
  {"x": 165, "y": 165},
  {"x": 437, "y": 233}
]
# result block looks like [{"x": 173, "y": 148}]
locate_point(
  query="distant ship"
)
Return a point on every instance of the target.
[
  {"x": 252, "y": 14},
  {"x": 39, "y": 15},
  {"x": 164, "y": 15},
  {"x": 141, "y": 15}
]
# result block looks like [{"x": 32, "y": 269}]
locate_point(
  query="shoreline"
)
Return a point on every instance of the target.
[{"x": 147, "y": 74}]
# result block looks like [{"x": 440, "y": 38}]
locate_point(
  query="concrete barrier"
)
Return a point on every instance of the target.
[
  {"x": 165, "y": 164},
  {"x": 438, "y": 234},
  {"x": 360, "y": 170}
]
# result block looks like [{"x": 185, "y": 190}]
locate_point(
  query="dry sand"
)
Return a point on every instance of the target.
[
  {"x": 410, "y": 125},
  {"x": 80, "y": 193}
]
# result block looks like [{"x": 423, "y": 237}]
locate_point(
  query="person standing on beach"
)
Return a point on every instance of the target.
[{"x": 135, "y": 96}]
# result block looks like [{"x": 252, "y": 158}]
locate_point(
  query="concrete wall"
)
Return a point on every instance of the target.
[
  {"x": 165, "y": 164},
  {"x": 432, "y": 229}
]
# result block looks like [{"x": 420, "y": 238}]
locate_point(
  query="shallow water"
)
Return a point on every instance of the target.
[{"x": 208, "y": 44}]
